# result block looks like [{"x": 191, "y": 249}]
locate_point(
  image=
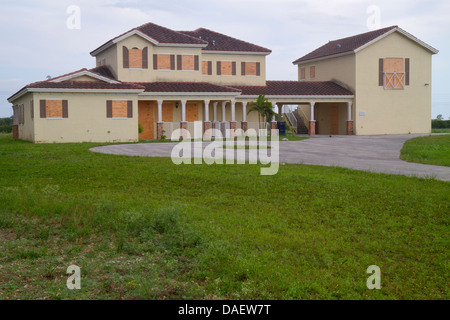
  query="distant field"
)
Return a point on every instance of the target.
[
  {"x": 144, "y": 228},
  {"x": 433, "y": 150}
]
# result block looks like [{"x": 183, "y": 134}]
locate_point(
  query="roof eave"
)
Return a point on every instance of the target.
[
  {"x": 255, "y": 53},
  {"x": 296, "y": 62}
]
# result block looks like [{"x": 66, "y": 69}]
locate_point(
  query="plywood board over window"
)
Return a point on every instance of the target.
[
  {"x": 302, "y": 73},
  {"x": 119, "y": 109},
  {"x": 312, "y": 72},
  {"x": 191, "y": 112},
  {"x": 163, "y": 62},
  {"x": 188, "y": 62},
  {"x": 205, "y": 67},
  {"x": 227, "y": 68},
  {"x": 394, "y": 73},
  {"x": 135, "y": 58},
  {"x": 250, "y": 68}
]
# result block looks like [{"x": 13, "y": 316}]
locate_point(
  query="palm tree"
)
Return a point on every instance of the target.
[{"x": 264, "y": 108}]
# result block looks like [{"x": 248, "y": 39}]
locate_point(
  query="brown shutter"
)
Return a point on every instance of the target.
[
  {"x": 172, "y": 62},
  {"x": 258, "y": 68},
  {"x": 126, "y": 58},
  {"x": 242, "y": 68},
  {"x": 155, "y": 62},
  {"x": 196, "y": 63},
  {"x": 65, "y": 109},
  {"x": 233, "y": 66},
  {"x": 130, "y": 109},
  {"x": 145, "y": 58},
  {"x": 109, "y": 108},
  {"x": 179, "y": 62},
  {"x": 209, "y": 68},
  {"x": 407, "y": 70},
  {"x": 381, "y": 73},
  {"x": 219, "y": 68},
  {"x": 43, "y": 108},
  {"x": 32, "y": 109}
]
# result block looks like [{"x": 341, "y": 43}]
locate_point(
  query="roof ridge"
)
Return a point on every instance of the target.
[{"x": 366, "y": 33}]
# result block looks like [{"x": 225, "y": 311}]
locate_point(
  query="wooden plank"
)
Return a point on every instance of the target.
[
  {"x": 250, "y": 69},
  {"x": 334, "y": 119},
  {"x": 146, "y": 119},
  {"x": 119, "y": 109},
  {"x": 226, "y": 68},
  {"x": 164, "y": 62},
  {"x": 187, "y": 62},
  {"x": 135, "y": 58},
  {"x": 191, "y": 112},
  {"x": 54, "y": 109},
  {"x": 205, "y": 67}
]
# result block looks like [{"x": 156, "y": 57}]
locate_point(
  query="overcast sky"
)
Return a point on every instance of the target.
[{"x": 36, "y": 41}]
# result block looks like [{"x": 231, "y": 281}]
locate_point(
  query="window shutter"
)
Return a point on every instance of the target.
[
  {"x": 109, "y": 108},
  {"x": 258, "y": 68},
  {"x": 172, "y": 62},
  {"x": 65, "y": 109},
  {"x": 145, "y": 58},
  {"x": 233, "y": 67},
  {"x": 381, "y": 73},
  {"x": 219, "y": 68},
  {"x": 242, "y": 68},
  {"x": 43, "y": 110},
  {"x": 130, "y": 109},
  {"x": 209, "y": 68},
  {"x": 407, "y": 70},
  {"x": 32, "y": 109},
  {"x": 155, "y": 62},
  {"x": 126, "y": 58},
  {"x": 196, "y": 63},
  {"x": 179, "y": 62}
]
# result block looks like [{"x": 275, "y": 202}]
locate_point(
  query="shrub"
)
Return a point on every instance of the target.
[
  {"x": 6, "y": 129},
  {"x": 440, "y": 124}
]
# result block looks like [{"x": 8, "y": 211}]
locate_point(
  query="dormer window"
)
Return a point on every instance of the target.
[{"x": 135, "y": 58}]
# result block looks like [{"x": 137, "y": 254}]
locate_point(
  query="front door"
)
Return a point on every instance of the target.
[
  {"x": 334, "y": 119},
  {"x": 146, "y": 111}
]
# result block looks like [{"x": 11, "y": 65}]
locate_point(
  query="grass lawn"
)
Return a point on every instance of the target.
[
  {"x": 433, "y": 150},
  {"x": 144, "y": 228}
]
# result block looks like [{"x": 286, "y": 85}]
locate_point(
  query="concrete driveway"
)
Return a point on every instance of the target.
[{"x": 367, "y": 153}]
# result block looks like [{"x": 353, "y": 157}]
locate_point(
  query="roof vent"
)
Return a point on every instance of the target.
[
  {"x": 339, "y": 45},
  {"x": 214, "y": 42},
  {"x": 48, "y": 77}
]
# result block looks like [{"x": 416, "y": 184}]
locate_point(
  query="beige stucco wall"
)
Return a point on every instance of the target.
[
  {"x": 110, "y": 57},
  {"x": 393, "y": 111},
  {"x": 26, "y": 130},
  {"x": 341, "y": 70},
  {"x": 87, "y": 121}
]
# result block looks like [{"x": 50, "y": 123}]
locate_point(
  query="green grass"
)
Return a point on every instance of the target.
[
  {"x": 144, "y": 228},
  {"x": 433, "y": 150}
]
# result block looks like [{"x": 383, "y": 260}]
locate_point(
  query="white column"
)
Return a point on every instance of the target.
[
  {"x": 312, "y": 110},
  {"x": 206, "y": 117},
  {"x": 233, "y": 111},
  {"x": 160, "y": 102},
  {"x": 244, "y": 111},
  {"x": 224, "y": 103},
  {"x": 349, "y": 111},
  {"x": 215, "y": 111},
  {"x": 183, "y": 110}
]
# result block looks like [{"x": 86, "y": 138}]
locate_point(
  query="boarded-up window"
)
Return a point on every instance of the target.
[
  {"x": 191, "y": 112},
  {"x": 394, "y": 73},
  {"x": 53, "y": 109},
  {"x": 312, "y": 72},
  {"x": 119, "y": 109},
  {"x": 205, "y": 67},
  {"x": 164, "y": 62},
  {"x": 187, "y": 62},
  {"x": 250, "y": 68},
  {"x": 226, "y": 68},
  {"x": 302, "y": 73},
  {"x": 135, "y": 58}
]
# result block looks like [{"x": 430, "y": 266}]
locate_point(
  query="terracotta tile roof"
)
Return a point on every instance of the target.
[
  {"x": 85, "y": 85},
  {"x": 104, "y": 71},
  {"x": 220, "y": 42},
  {"x": 161, "y": 35},
  {"x": 184, "y": 87},
  {"x": 296, "y": 88},
  {"x": 344, "y": 45}
]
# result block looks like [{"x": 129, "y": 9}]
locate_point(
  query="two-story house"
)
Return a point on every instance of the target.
[
  {"x": 152, "y": 80},
  {"x": 389, "y": 71}
]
